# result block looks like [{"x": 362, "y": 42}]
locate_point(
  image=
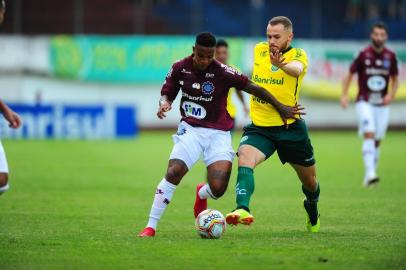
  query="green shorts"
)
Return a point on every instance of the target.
[{"x": 292, "y": 144}]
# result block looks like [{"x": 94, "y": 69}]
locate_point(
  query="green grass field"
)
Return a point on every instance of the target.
[{"x": 79, "y": 205}]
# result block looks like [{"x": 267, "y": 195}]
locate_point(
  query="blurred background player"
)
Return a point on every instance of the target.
[
  {"x": 376, "y": 67},
  {"x": 222, "y": 56},
  {"x": 279, "y": 68},
  {"x": 205, "y": 126},
  {"x": 14, "y": 122}
]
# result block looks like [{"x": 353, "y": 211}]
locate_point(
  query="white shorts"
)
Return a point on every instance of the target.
[
  {"x": 3, "y": 160},
  {"x": 372, "y": 119},
  {"x": 191, "y": 143}
]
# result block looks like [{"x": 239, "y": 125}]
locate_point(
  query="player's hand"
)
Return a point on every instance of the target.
[
  {"x": 164, "y": 106},
  {"x": 288, "y": 112},
  {"x": 277, "y": 59},
  {"x": 387, "y": 99},
  {"x": 14, "y": 121},
  {"x": 344, "y": 101}
]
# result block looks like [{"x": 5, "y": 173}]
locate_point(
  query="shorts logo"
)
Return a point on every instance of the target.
[
  {"x": 181, "y": 131},
  {"x": 243, "y": 139},
  {"x": 309, "y": 159},
  {"x": 194, "y": 110},
  {"x": 208, "y": 88}
]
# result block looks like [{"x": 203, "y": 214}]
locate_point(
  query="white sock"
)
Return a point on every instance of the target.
[
  {"x": 377, "y": 154},
  {"x": 205, "y": 192},
  {"x": 368, "y": 152},
  {"x": 4, "y": 188},
  {"x": 163, "y": 196}
]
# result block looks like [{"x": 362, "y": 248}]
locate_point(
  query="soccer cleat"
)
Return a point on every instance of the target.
[
  {"x": 200, "y": 204},
  {"x": 147, "y": 232},
  {"x": 239, "y": 216},
  {"x": 371, "y": 182},
  {"x": 312, "y": 219}
]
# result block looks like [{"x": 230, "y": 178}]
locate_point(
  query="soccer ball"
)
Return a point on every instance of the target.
[{"x": 210, "y": 224}]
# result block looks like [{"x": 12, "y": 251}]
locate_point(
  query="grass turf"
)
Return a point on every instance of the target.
[{"x": 79, "y": 205}]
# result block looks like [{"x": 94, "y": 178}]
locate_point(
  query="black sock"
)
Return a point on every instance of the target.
[{"x": 310, "y": 204}]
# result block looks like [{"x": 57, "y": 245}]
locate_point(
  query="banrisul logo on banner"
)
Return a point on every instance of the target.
[{"x": 66, "y": 121}]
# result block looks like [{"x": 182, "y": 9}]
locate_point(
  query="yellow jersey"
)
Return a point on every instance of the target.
[
  {"x": 231, "y": 107},
  {"x": 284, "y": 87}
]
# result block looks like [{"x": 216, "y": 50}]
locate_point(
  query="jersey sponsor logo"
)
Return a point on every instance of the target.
[
  {"x": 299, "y": 53},
  {"x": 376, "y": 83},
  {"x": 208, "y": 88},
  {"x": 270, "y": 80},
  {"x": 257, "y": 99},
  {"x": 196, "y": 85},
  {"x": 209, "y": 75},
  {"x": 376, "y": 71},
  {"x": 199, "y": 98},
  {"x": 367, "y": 62},
  {"x": 230, "y": 69},
  {"x": 194, "y": 110},
  {"x": 186, "y": 72}
]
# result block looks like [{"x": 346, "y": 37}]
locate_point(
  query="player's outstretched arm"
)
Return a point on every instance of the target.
[
  {"x": 286, "y": 112},
  {"x": 293, "y": 68},
  {"x": 12, "y": 118},
  {"x": 164, "y": 106}
]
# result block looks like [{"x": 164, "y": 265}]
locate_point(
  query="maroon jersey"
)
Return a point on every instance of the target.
[
  {"x": 204, "y": 93},
  {"x": 374, "y": 70}
]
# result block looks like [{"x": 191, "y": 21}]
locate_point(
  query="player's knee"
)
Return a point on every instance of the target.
[
  {"x": 3, "y": 179},
  {"x": 245, "y": 159},
  {"x": 176, "y": 170},
  {"x": 3, "y": 182},
  {"x": 218, "y": 189},
  {"x": 369, "y": 135}
]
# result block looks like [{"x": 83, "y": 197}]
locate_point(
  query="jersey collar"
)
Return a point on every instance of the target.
[{"x": 287, "y": 49}]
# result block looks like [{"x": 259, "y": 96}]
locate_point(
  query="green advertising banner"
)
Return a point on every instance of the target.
[
  {"x": 147, "y": 59},
  {"x": 124, "y": 59}
]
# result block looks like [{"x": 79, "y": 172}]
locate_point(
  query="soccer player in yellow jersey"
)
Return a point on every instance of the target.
[
  {"x": 222, "y": 56},
  {"x": 279, "y": 68}
]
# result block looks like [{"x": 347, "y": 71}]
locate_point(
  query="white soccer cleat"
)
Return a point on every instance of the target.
[{"x": 371, "y": 180}]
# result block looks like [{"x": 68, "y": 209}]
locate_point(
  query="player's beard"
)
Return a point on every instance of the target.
[
  {"x": 377, "y": 44},
  {"x": 281, "y": 48}
]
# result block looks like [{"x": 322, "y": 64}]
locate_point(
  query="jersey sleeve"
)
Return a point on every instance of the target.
[
  {"x": 235, "y": 78},
  {"x": 301, "y": 56},
  {"x": 355, "y": 65},
  {"x": 171, "y": 87},
  {"x": 394, "y": 71}
]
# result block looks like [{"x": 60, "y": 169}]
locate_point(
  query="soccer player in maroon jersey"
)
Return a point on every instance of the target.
[
  {"x": 376, "y": 67},
  {"x": 14, "y": 122},
  {"x": 204, "y": 128}
]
